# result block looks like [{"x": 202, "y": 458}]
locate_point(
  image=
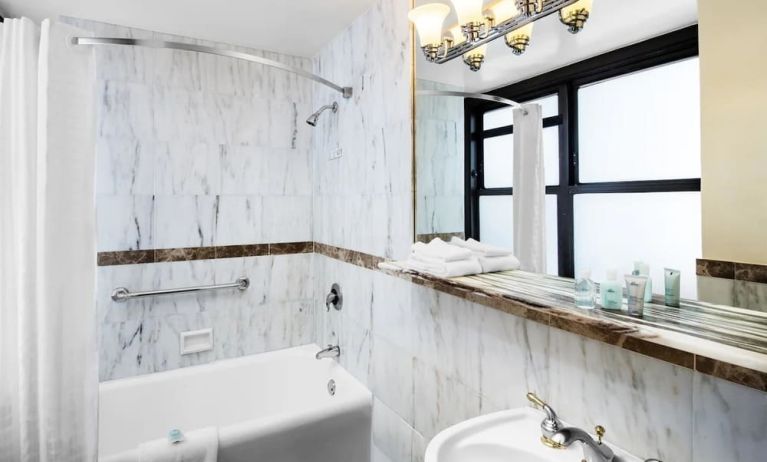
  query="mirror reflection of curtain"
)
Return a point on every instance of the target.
[
  {"x": 48, "y": 344},
  {"x": 529, "y": 189}
]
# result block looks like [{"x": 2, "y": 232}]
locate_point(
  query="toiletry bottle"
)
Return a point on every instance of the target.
[
  {"x": 584, "y": 291},
  {"x": 643, "y": 269},
  {"x": 611, "y": 292},
  {"x": 672, "y": 287},
  {"x": 635, "y": 290}
]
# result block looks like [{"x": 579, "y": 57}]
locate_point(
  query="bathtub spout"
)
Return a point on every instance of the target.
[{"x": 332, "y": 351}]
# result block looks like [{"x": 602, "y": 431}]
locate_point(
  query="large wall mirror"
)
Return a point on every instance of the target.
[{"x": 630, "y": 174}]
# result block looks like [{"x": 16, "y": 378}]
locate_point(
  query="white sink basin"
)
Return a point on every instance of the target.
[{"x": 506, "y": 436}]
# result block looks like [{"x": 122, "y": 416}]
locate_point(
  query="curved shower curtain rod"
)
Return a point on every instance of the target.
[
  {"x": 463, "y": 94},
  {"x": 345, "y": 91}
]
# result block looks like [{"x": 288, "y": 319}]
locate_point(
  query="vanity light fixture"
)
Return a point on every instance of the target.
[
  {"x": 511, "y": 19},
  {"x": 475, "y": 57},
  {"x": 428, "y": 21},
  {"x": 575, "y": 16}
]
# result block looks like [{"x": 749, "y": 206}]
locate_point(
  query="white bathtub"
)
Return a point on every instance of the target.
[{"x": 269, "y": 407}]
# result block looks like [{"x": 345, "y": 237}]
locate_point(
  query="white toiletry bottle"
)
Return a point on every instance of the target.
[
  {"x": 611, "y": 292},
  {"x": 584, "y": 291},
  {"x": 643, "y": 269}
]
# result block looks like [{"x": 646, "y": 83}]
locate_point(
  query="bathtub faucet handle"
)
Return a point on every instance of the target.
[{"x": 334, "y": 298}]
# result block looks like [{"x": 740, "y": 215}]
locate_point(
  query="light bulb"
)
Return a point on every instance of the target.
[
  {"x": 475, "y": 57},
  {"x": 519, "y": 39},
  {"x": 468, "y": 11},
  {"x": 504, "y": 10},
  {"x": 428, "y": 21},
  {"x": 575, "y": 16}
]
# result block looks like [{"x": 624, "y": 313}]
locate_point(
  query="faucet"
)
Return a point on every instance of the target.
[
  {"x": 332, "y": 351},
  {"x": 555, "y": 435}
]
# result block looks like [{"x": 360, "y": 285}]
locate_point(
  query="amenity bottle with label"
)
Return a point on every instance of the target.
[
  {"x": 584, "y": 291},
  {"x": 611, "y": 292},
  {"x": 643, "y": 269}
]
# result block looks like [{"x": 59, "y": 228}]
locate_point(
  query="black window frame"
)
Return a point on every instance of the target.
[{"x": 665, "y": 49}]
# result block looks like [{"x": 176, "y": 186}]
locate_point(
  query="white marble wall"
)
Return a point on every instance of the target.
[
  {"x": 199, "y": 150},
  {"x": 439, "y": 159},
  {"x": 361, "y": 201},
  {"x": 433, "y": 360}
]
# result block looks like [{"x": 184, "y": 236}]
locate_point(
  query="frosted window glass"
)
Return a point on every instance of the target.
[
  {"x": 641, "y": 126},
  {"x": 499, "y": 159},
  {"x": 496, "y": 222},
  {"x": 662, "y": 229},
  {"x": 505, "y": 116}
]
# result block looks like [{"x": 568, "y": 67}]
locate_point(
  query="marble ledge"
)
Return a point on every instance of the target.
[{"x": 708, "y": 357}]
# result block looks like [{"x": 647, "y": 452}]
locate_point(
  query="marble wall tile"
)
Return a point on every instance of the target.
[
  {"x": 392, "y": 379},
  {"x": 125, "y": 222},
  {"x": 729, "y": 421},
  {"x": 141, "y": 336},
  {"x": 513, "y": 359},
  {"x": 645, "y": 404},
  {"x": 240, "y": 220},
  {"x": 442, "y": 400},
  {"x": 287, "y": 218},
  {"x": 187, "y": 168},
  {"x": 185, "y": 221},
  {"x": 391, "y": 436},
  {"x": 124, "y": 166}
]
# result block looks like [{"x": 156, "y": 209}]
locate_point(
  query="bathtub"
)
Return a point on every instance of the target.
[{"x": 273, "y": 407}]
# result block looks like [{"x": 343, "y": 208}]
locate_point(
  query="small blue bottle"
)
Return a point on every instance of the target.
[{"x": 584, "y": 291}]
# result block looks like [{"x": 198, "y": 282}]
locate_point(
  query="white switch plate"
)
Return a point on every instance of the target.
[
  {"x": 196, "y": 341},
  {"x": 336, "y": 153}
]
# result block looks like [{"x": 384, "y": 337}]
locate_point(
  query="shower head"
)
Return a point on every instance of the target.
[{"x": 312, "y": 120}]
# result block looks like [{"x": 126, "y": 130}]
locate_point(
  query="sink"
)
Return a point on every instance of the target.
[{"x": 506, "y": 436}]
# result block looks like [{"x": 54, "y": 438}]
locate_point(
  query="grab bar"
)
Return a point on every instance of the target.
[{"x": 122, "y": 294}]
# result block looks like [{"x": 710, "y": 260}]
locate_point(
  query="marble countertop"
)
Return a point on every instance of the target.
[{"x": 549, "y": 300}]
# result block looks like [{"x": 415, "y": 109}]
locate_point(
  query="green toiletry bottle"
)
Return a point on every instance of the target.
[{"x": 611, "y": 292}]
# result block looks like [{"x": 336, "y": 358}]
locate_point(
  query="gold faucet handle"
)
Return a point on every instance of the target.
[
  {"x": 533, "y": 398},
  {"x": 600, "y": 431}
]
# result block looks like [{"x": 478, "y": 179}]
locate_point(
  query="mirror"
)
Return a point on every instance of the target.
[{"x": 624, "y": 155}]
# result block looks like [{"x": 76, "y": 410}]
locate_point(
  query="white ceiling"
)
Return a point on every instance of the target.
[
  {"x": 613, "y": 24},
  {"x": 296, "y": 27}
]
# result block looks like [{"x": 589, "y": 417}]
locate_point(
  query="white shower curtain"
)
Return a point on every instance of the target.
[
  {"x": 48, "y": 347},
  {"x": 529, "y": 189}
]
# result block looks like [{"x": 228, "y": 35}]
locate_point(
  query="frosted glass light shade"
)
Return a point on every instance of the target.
[
  {"x": 468, "y": 11},
  {"x": 428, "y": 20},
  {"x": 504, "y": 10},
  {"x": 581, "y": 4}
]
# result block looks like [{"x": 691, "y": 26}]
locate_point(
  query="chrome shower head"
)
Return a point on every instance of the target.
[{"x": 312, "y": 120}]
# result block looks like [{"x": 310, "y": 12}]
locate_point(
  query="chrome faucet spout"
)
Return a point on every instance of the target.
[
  {"x": 332, "y": 351},
  {"x": 593, "y": 451}
]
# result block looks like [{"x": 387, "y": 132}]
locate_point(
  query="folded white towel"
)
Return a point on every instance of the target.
[
  {"x": 443, "y": 269},
  {"x": 479, "y": 248},
  {"x": 198, "y": 446},
  {"x": 493, "y": 264},
  {"x": 441, "y": 250}
]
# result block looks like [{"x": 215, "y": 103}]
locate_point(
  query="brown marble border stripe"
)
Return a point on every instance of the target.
[
  {"x": 732, "y": 373},
  {"x": 135, "y": 257},
  {"x": 354, "y": 257},
  {"x": 748, "y": 272}
]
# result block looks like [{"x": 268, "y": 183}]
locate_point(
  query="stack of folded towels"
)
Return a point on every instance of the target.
[{"x": 459, "y": 258}]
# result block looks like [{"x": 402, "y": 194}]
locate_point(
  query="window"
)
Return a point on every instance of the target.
[{"x": 622, "y": 159}]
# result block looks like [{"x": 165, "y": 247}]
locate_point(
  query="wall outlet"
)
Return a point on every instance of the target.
[{"x": 336, "y": 153}]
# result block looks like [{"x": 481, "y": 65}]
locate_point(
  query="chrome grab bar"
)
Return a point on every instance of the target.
[{"x": 121, "y": 294}]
